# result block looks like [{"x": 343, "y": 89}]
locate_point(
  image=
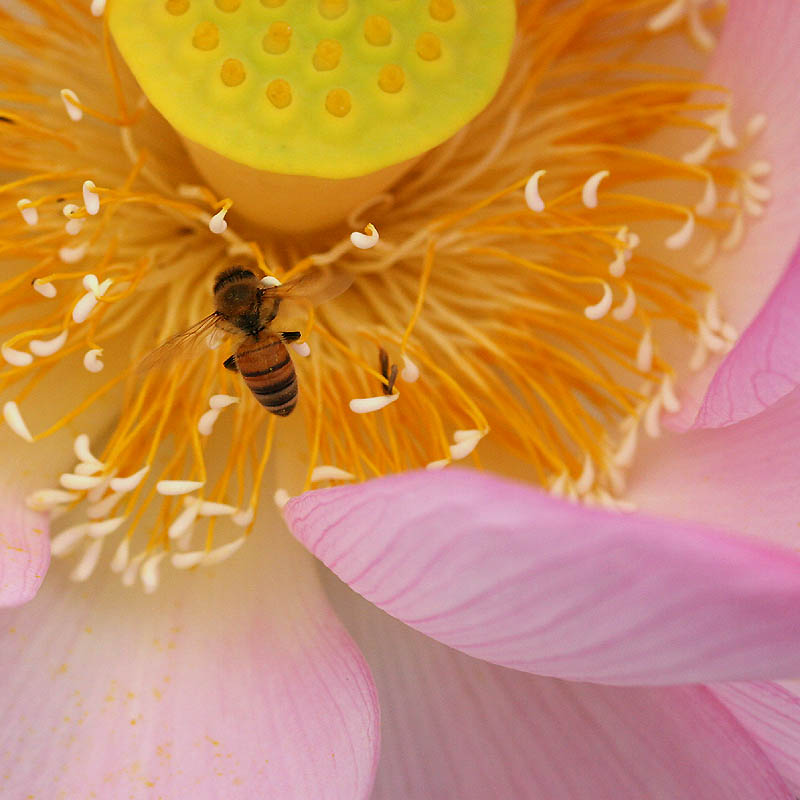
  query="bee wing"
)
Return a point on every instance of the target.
[
  {"x": 191, "y": 343},
  {"x": 308, "y": 289}
]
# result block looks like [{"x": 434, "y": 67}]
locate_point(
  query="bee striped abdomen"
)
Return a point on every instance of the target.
[{"x": 267, "y": 369}]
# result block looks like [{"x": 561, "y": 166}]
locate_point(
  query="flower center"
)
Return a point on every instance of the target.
[{"x": 530, "y": 275}]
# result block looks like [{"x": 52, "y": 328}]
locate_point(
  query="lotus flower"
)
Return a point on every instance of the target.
[{"x": 592, "y": 649}]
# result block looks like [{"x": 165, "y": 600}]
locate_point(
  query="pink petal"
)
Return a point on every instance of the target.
[
  {"x": 236, "y": 682},
  {"x": 771, "y": 714},
  {"x": 24, "y": 549},
  {"x": 511, "y": 575},
  {"x": 759, "y": 59},
  {"x": 455, "y": 727},
  {"x": 744, "y": 477},
  {"x": 765, "y": 364}
]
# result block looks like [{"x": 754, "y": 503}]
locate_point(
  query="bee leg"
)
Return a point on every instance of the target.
[
  {"x": 230, "y": 363},
  {"x": 291, "y": 336},
  {"x": 389, "y": 374}
]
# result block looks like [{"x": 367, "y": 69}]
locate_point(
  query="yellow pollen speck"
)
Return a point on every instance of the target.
[
  {"x": 327, "y": 55},
  {"x": 378, "y": 30},
  {"x": 177, "y": 6},
  {"x": 441, "y": 10},
  {"x": 227, "y": 5},
  {"x": 429, "y": 48},
  {"x": 331, "y": 9},
  {"x": 206, "y": 36},
  {"x": 391, "y": 78},
  {"x": 277, "y": 38},
  {"x": 279, "y": 93},
  {"x": 338, "y": 102},
  {"x": 232, "y": 72}
]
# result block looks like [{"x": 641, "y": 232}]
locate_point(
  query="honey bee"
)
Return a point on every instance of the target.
[{"x": 257, "y": 316}]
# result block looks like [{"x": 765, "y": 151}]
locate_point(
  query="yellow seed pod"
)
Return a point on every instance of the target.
[{"x": 328, "y": 89}]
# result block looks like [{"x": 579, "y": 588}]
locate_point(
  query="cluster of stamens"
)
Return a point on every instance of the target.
[{"x": 514, "y": 303}]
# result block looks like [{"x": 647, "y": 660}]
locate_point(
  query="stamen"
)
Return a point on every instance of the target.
[
  {"x": 627, "y": 448},
  {"x": 79, "y": 483},
  {"x": 131, "y": 570},
  {"x": 589, "y": 192},
  {"x": 129, "y": 483},
  {"x": 17, "y": 358},
  {"x": 64, "y": 542},
  {"x": 205, "y": 425},
  {"x": 625, "y": 310},
  {"x": 72, "y": 255},
  {"x": 88, "y": 469},
  {"x": 667, "y": 16},
  {"x": 302, "y": 349},
  {"x": 29, "y": 212},
  {"x": 270, "y": 281},
  {"x": 91, "y": 200},
  {"x": 586, "y": 479},
  {"x": 170, "y": 488},
  {"x": 281, "y": 497},
  {"x": 366, "y": 405},
  {"x": 13, "y": 418},
  {"x": 70, "y": 100},
  {"x": 466, "y": 442},
  {"x": 91, "y": 360},
  {"x": 48, "y": 499},
  {"x": 366, "y": 240},
  {"x": 601, "y": 308},
  {"x": 708, "y": 204},
  {"x": 217, "y": 223},
  {"x": 206, "y": 508},
  {"x": 149, "y": 572},
  {"x": 222, "y": 553},
  {"x": 434, "y": 466},
  {"x": 120, "y": 559},
  {"x": 330, "y": 473},
  {"x": 532, "y": 197},
  {"x": 644, "y": 352},
  {"x": 410, "y": 371},
  {"x": 183, "y": 521},
  {"x": 45, "y": 289},
  {"x": 104, "y": 528},
  {"x": 681, "y": 238},
  {"x": 243, "y": 518},
  {"x": 49, "y": 347},
  {"x": 671, "y": 403},
  {"x": 89, "y": 559},
  {"x": 220, "y": 401},
  {"x": 187, "y": 560},
  {"x": 99, "y": 510},
  {"x": 652, "y": 415}
]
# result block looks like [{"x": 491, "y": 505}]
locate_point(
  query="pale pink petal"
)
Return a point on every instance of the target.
[
  {"x": 237, "y": 682},
  {"x": 24, "y": 548},
  {"x": 765, "y": 364},
  {"x": 759, "y": 59},
  {"x": 745, "y": 477},
  {"x": 514, "y": 576},
  {"x": 458, "y": 728},
  {"x": 771, "y": 713}
]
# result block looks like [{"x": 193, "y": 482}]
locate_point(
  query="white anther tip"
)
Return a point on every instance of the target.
[
  {"x": 330, "y": 473},
  {"x": 130, "y": 482},
  {"x": 364, "y": 241},
  {"x": 681, "y": 238},
  {"x": 217, "y": 223},
  {"x": 91, "y": 360},
  {"x": 434, "y": 466},
  {"x": 302, "y": 349},
  {"x": 149, "y": 572},
  {"x": 270, "y": 281},
  {"x": 79, "y": 483},
  {"x": 48, "y": 347},
  {"x": 366, "y": 405},
  {"x": 17, "y": 358},
  {"x": 121, "y": 555},
  {"x": 410, "y": 371},
  {"x": 205, "y": 425},
  {"x": 243, "y": 517},
  {"x": 601, "y": 308},
  {"x": 91, "y": 200},
  {"x": 589, "y": 191},
  {"x": 72, "y": 255},
  {"x": 70, "y": 100},
  {"x": 13, "y": 418},
  {"x": 222, "y": 553},
  {"x": 29, "y": 213},
  {"x": 220, "y": 401},
  {"x": 532, "y": 197},
  {"x": 281, "y": 497},
  {"x": 45, "y": 289},
  {"x": 171, "y": 488}
]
